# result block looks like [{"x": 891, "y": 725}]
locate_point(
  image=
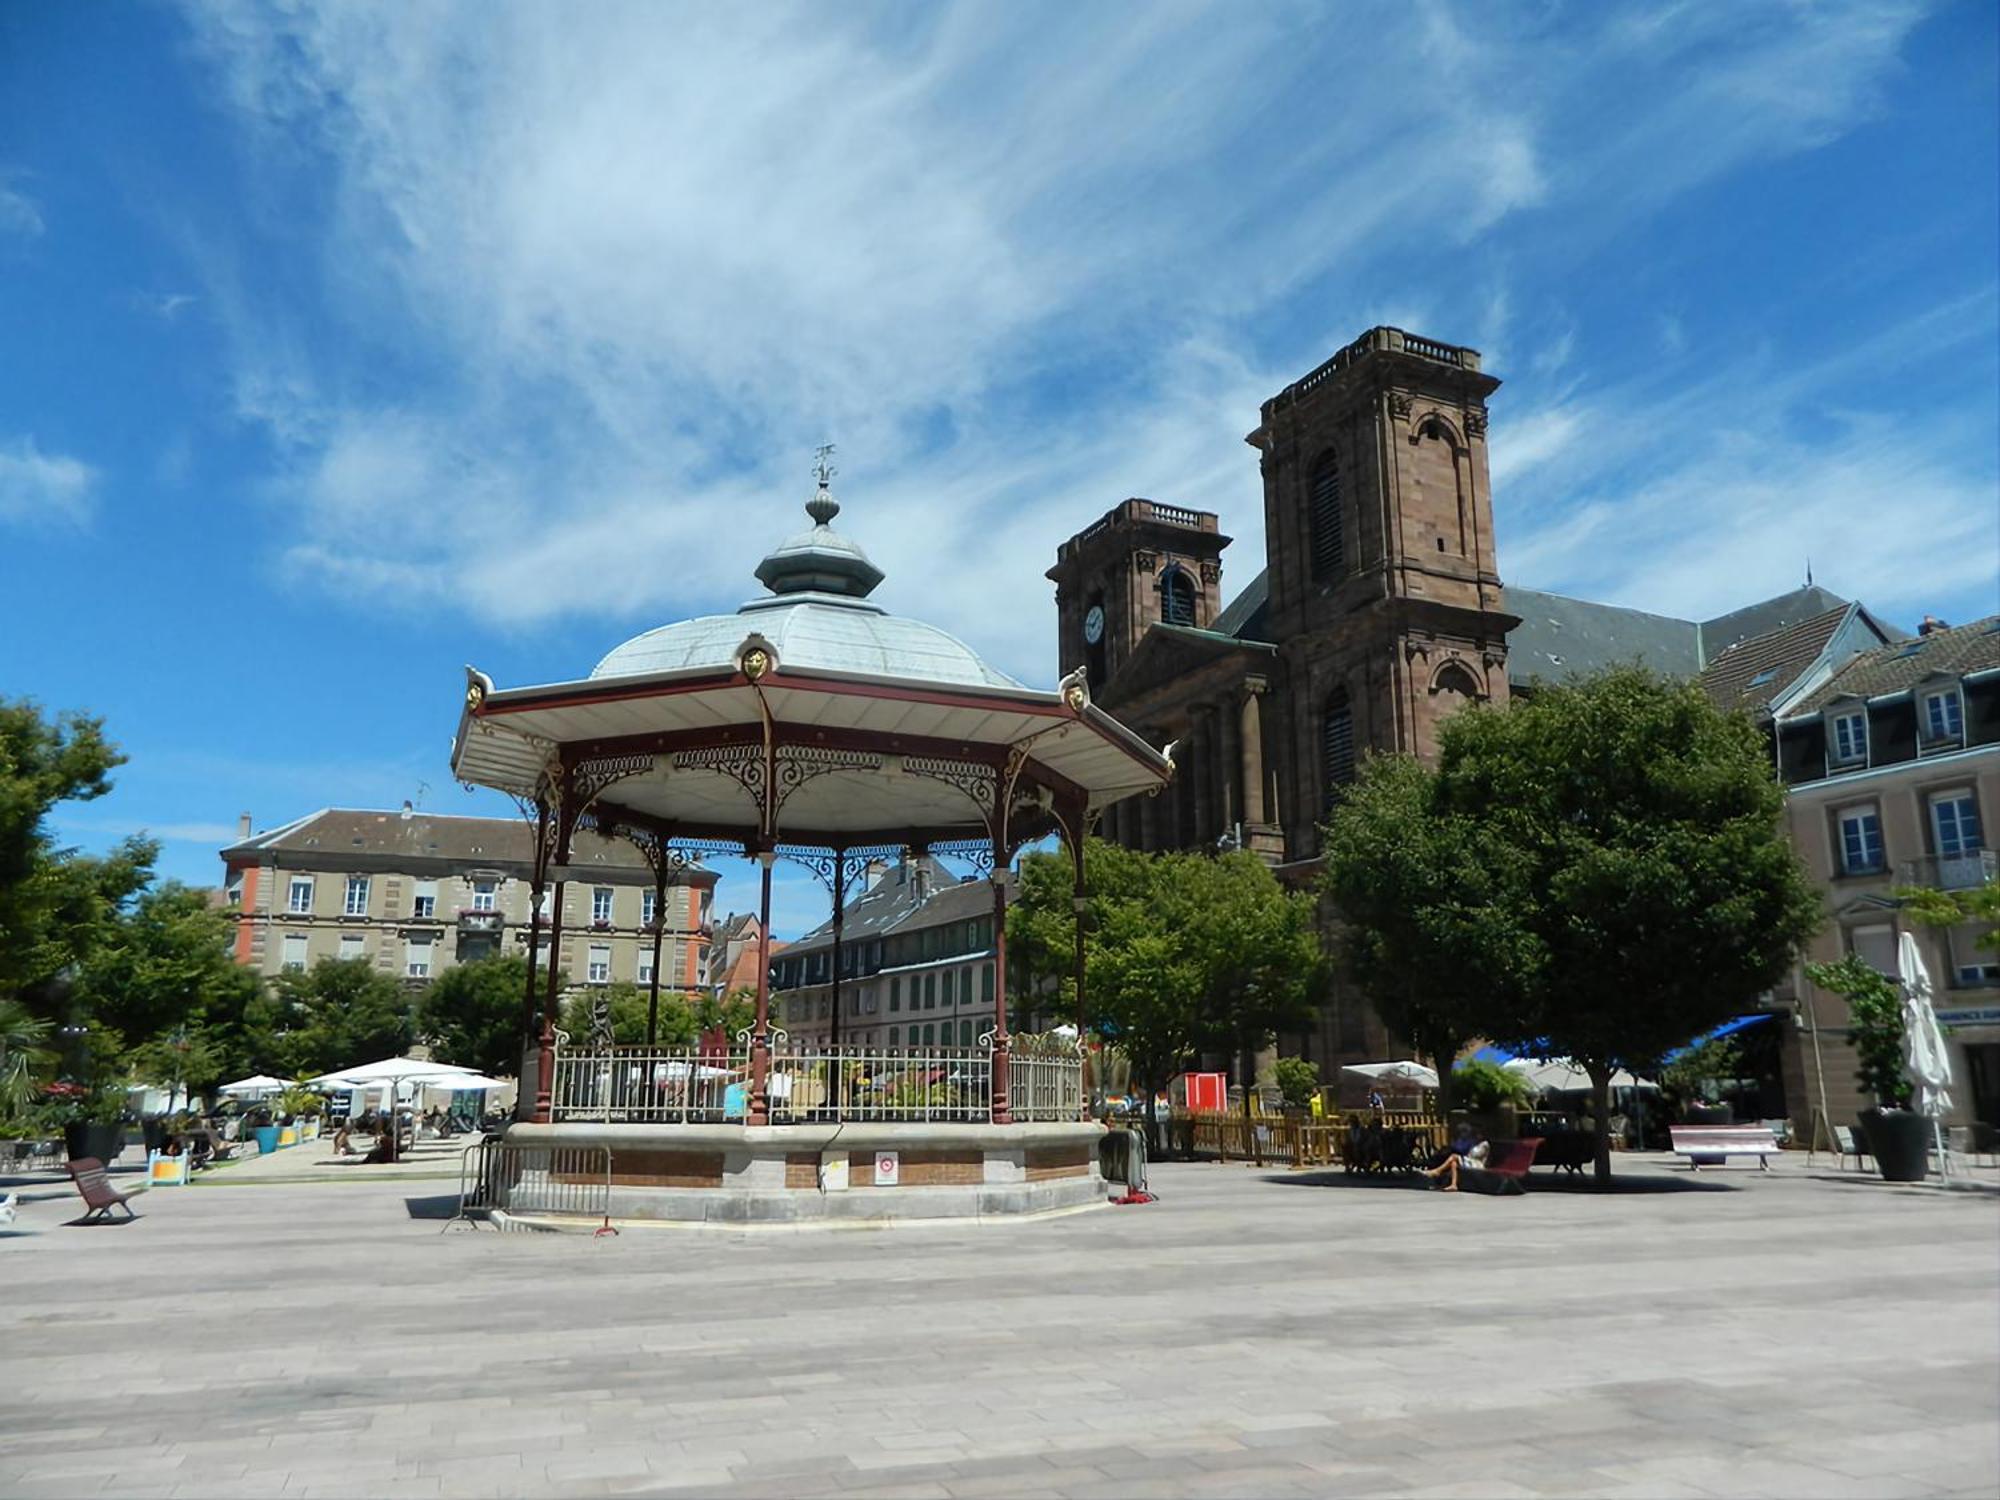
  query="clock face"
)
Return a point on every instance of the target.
[{"x": 1093, "y": 624}]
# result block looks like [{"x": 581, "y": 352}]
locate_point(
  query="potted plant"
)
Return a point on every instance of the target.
[
  {"x": 1898, "y": 1137},
  {"x": 296, "y": 1106},
  {"x": 92, "y": 1120},
  {"x": 1488, "y": 1097}
]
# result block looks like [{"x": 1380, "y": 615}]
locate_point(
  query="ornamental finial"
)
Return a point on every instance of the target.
[{"x": 823, "y": 507}]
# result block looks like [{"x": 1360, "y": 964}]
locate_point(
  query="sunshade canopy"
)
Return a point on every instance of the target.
[
  {"x": 1393, "y": 1072},
  {"x": 255, "y": 1086},
  {"x": 389, "y": 1070}
]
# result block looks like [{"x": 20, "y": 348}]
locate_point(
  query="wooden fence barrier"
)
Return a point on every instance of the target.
[{"x": 1296, "y": 1140}]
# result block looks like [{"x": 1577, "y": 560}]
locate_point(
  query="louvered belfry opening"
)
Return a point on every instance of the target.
[
  {"x": 1337, "y": 746},
  {"x": 1177, "y": 597},
  {"x": 1329, "y": 543}
]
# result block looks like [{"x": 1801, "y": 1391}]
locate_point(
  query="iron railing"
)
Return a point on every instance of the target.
[
  {"x": 810, "y": 1085},
  {"x": 1951, "y": 872}
]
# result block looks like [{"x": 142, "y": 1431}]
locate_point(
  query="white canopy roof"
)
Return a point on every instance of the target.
[
  {"x": 389, "y": 1070},
  {"x": 1559, "y": 1075},
  {"x": 256, "y": 1085},
  {"x": 1394, "y": 1072}
]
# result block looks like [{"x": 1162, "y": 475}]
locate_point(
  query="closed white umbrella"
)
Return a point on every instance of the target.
[{"x": 1925, "y": 1057}]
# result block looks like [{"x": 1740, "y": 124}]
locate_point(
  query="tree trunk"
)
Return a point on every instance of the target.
[
  {"x": 1153, "y": 1122},
  {"x": 1443, "y": 1055},
  {"x": 1600, "y": 1093}
]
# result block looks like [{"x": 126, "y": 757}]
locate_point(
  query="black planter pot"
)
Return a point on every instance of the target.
[
  {"x": 1710, "y": 1114},
  {"x": 93, "y": 1138},
  {"x": 1900, "y": 1142}
]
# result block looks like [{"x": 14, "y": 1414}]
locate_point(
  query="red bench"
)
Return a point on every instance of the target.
[
  {"x": 99, "y": 1196},
  {"x": 1504, "y": 1170}
]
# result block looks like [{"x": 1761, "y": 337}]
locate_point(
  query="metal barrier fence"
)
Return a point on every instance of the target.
[
  {"x": 564, "y": 1180},
  {"x": 641, "y": 1085},
  {"x": 1302, "y": 1140}
]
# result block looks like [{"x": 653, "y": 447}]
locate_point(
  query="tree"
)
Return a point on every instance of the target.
[
  {"x": 1430, "y": 902},
  {"x": 341, "y": 1013},
  {"x": 472, "y": 1014},
  {"x": 163, "y": 975},
  {"x": 1655, "y": 890},
  {"x": 25, "y": 1056},
  {"x": 1183, "y": 953},
  {"x": 53, "y": 903},
  {"x": 683, "y": 1018}
]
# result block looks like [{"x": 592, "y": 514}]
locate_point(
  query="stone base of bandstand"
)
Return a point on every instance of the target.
[{"x": 738, "y": 1175}]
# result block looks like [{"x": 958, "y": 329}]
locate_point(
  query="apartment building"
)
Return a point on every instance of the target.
[
  {"x": 415, "y": 892},
  {"x": 733, "y": 949},
  {"x": 916, "y": 965},
  {"x": 1892, "y": 766}
]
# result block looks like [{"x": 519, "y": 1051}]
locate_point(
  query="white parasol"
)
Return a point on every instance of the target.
[
  {"x": 1394, "y": 1072},
  {"x": 258, "y": 1086},
  {"x": 1925, "y": 1057}
]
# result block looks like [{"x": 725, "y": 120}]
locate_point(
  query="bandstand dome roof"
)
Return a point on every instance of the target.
[
  {"x": 848, "y": 697},
  {"x": 817, "y": 615}
]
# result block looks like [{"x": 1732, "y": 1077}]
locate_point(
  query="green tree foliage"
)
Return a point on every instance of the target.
[
  {"x": 164, "y": 977},
  {"x": 1660, "y": 895},
  {"x": 26, "y": 1057},
  {"x": 1432, "y": 920},
  {"x": 1183, "y": 953},
  {"x": 1486, "y": 1085},
  {"x": 53, "y": 903},
  {"x": 1298, "y": 1081},
  {"x": 338, "y": 1014},
  {"x": 1625, "y": 881},
  {"x": 1875, "y": 1019},
  {"x": 471, "y": 1013},
  {"x": 683, "y": 1018}
]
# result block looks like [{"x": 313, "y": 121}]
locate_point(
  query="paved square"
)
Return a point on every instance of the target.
[{"x": 1729, "y": 1334}]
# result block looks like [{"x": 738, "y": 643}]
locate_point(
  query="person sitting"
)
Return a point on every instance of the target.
[
  {"x": 1466, "y": 1149},
  {"x": 342, "y": 1145}
]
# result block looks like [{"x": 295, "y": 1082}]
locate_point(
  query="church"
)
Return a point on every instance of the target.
[{"x": 1379, "y": 611}]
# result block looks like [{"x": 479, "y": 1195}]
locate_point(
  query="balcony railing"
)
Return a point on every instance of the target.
[
  {"x": 480, "y": 921},
  {"x": 1951, "y": 872},
  {"x": 655, "y": 1086}
]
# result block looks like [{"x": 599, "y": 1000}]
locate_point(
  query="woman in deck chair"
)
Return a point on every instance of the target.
[{"x": 1465, "y": 1149}]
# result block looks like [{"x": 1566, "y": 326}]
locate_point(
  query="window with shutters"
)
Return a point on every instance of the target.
[
  {"x": 1337, "y": 746},
  {"x": 1176, "y": 597},
  {"x": 295, "y": 950},
  {"x": 1329, "y": 542}
]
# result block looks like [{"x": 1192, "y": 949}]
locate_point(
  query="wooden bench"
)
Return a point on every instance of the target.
[
  {"x": 99, "y": 1196},
  {"x": 1704, "y": 1143},
  {"x": 1505, "y": 1169}
]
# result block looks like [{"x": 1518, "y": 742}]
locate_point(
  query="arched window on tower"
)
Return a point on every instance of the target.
[
  {"x": 1329, "y": 543},
  {"x": 1337, "y": 745},
  {"x": 1176, "y": 597}
]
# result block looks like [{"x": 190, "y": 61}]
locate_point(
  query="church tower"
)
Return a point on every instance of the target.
[
  {"x": 1140, "y": 564},
  {"x": 1384, "y": 596}
]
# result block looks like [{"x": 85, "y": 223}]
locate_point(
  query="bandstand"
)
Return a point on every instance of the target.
[{"x": 811, "y": 725}]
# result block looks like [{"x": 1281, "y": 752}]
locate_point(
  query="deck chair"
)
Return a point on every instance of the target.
[
  {"x": 1845, "y": 1142},
  {"x": 99, "y": 1196}
]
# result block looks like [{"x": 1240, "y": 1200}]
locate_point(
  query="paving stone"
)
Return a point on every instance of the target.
[{"x": 1247, "y": 1334}]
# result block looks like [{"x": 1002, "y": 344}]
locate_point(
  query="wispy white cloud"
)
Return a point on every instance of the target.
[
  {"x": 166, "y": 306},
  {"x": 20, "y": 215},
  {"x": 44, "y": 487},
  {"x": 646, "y": 259}
]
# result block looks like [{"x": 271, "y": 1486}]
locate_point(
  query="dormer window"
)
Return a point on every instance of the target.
[
  {"x": 1850, "y": 737},
  {"x": 1944, "y": 716}
]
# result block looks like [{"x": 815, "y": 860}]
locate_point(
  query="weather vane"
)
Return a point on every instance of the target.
[{"x": 823, "y": 469}]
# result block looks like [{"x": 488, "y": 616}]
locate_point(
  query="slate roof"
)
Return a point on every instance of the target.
[
  {"x": 378, "y": 839},
  {"x": 1244, "y": 615},
  {"x": 1781, "y": 612},
  {"x": 894, "y": 906},
  {"x": 1750, "y": 674},
  {"x": 1560, "y": 638},
  {"x": 1903, "y": 666}
]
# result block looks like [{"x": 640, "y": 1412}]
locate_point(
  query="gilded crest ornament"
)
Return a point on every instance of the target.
[{"x": 756, "y": 662}]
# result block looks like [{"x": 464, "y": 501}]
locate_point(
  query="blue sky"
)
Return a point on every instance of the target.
[{"x": 350, "y": 344}]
